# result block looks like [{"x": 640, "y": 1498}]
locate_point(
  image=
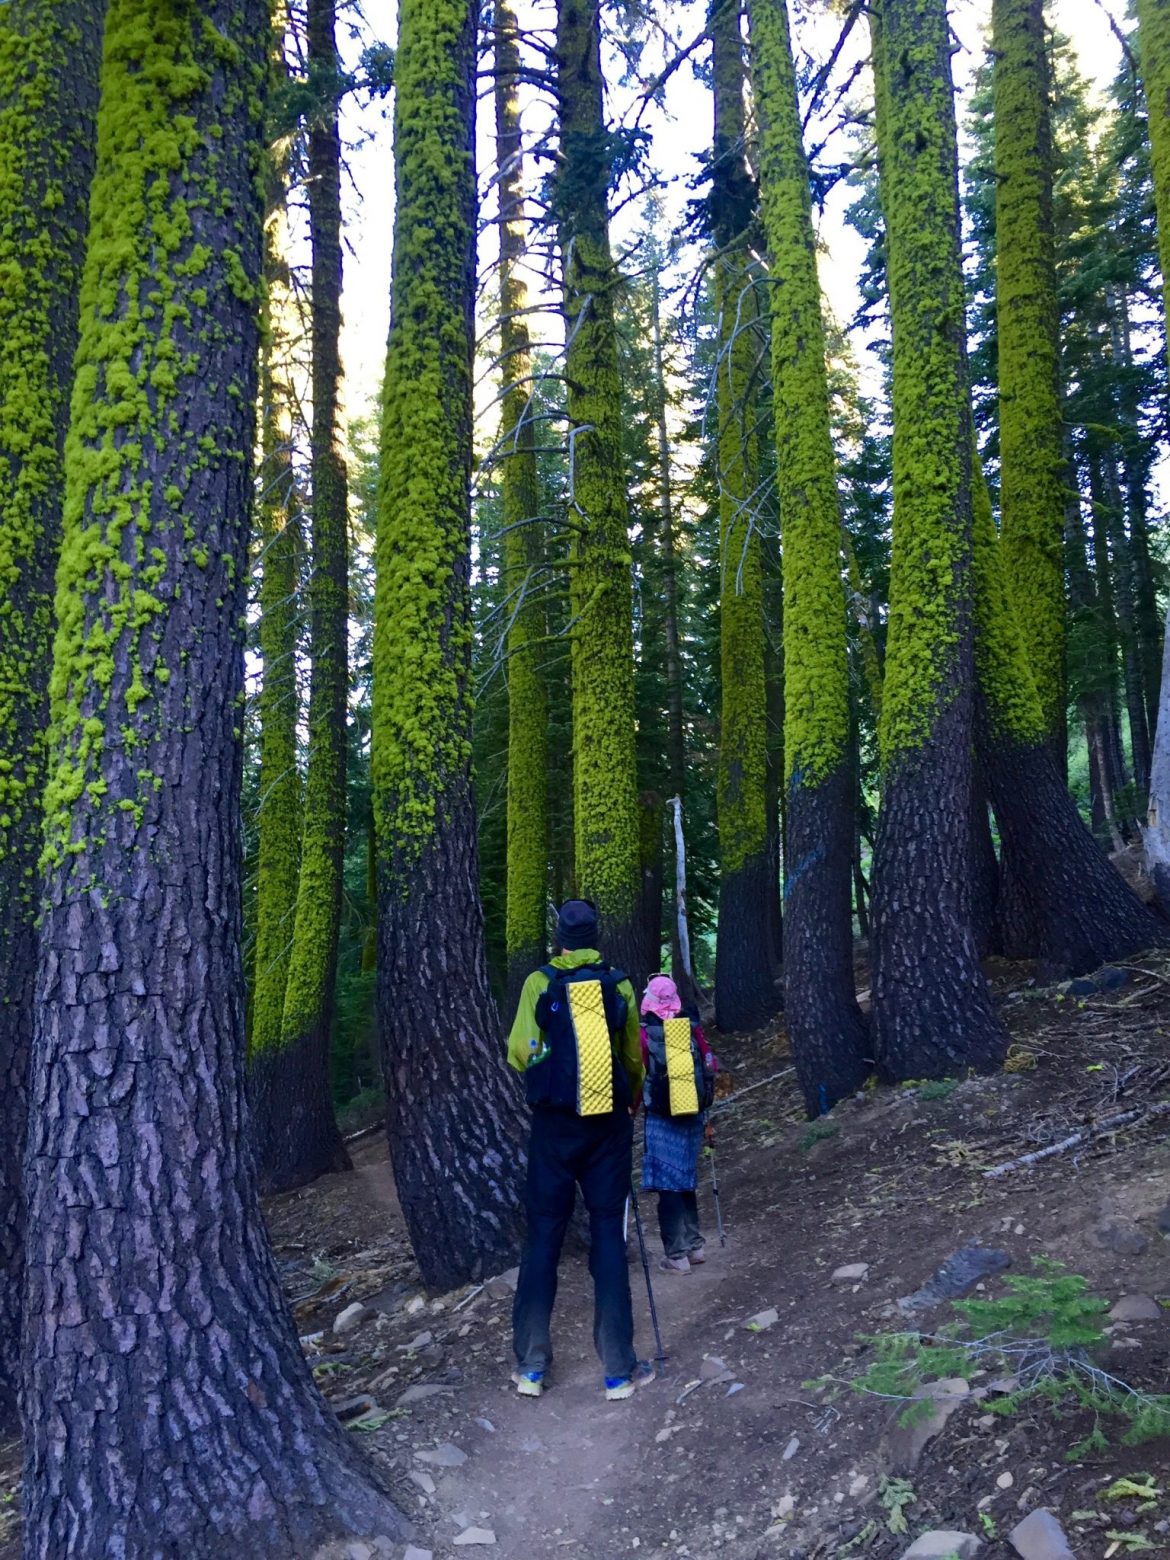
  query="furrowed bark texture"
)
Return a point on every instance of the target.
[
  {"x": 526, "y": 928},
  {"x": 745, "y": 989},
  {"x": 605, "y": 797},
  {"x": 1027, "y": 321},
  {"x": 297, "y": 1134},
  {"x": 452, "y": 1114},
  {"x": 823, "y": 1021},
  {"x": 170, "y": 1409},
  {"x": 932, "y": 1012},
  {"x": 49, "y": 56},
  {"x": 1080, "y": 912}
]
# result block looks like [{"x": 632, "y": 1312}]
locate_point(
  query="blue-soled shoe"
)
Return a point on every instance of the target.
[
  {"x": 529, "y": 1383},
  {"x": 619, "y": 1387}
]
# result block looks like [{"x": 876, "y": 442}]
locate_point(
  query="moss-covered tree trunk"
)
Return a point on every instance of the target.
[
  {"x": 297, "y": 1138},
  {"x": 170, "y": 1410},
  {"x": 932, "y": 1012},
  {"x": 49, "y": 56},
  {"x": 1027, "y": 323},
  {"x": 746, "y": 994},
  {"x": 452, "y": 1114},
  {"x": 279, "y": 813},
  {"x": 1082, "y": 912},
  {"x": 605, "y": 796},
  {"x": 822, "y": 1018},
  {"x": 668, "y": 576},
  {"x": 526, "y": 895}
]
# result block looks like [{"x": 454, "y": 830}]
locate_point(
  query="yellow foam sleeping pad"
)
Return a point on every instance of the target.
[
  {"x": 680, "y": 1067},
  {"x": 594, "y": 1048}
]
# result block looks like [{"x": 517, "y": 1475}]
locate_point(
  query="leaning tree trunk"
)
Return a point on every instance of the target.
[
  {"x": 49, "y": 56},
  {"x": 452, "y": 1114},
  {"x": 526, "y": 931},
  {"x": 1081, "y": 911},
  {"x": 932, "y": 1011},
  {"x": 605, "y": 796},
  {"x": 824, "y": 1022},
  {"x": 297, "y": 1133},
  {"x": 745, "y": 989},
  {"x": 1027, "y": 322},
  {"x": 170, "y": 1410}
]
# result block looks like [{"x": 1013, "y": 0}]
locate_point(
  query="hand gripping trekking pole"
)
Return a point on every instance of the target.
[
  {"x": 660, "y": 1357},
  {"x": 715, "y": 1184}
]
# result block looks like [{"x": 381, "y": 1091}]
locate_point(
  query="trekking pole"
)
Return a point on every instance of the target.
[
  {"x": 660, "y": 1357},
  {"x": 715, "y": 1183}
]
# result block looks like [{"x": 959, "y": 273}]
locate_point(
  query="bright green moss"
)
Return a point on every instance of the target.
[
  {"x": 930, "y": 575},
  {"x": 140, "y": 361},
  {"x": 1154, "y": 48},
  {"x": 816, "y": 672},
  {"x": 1031, "y": 439},
  {"x": 605, "y": 801},
  {"x": 1006, "y": 685},
  {"x": 421, "y": 740},
  {"x": 49, "y": 56},
  {"x": 279, "y": 821},
  {"x": 527, "y": 867}
]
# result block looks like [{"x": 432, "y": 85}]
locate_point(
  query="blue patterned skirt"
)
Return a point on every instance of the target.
[{"x": 670, "y": 1157}]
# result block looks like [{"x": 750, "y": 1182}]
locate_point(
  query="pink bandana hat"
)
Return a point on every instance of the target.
[{"x": 662, "y": 997}]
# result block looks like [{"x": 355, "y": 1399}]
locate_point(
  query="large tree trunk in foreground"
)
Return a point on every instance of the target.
[
  {"x": 170, "y": 1410},
  {"x": 1156, "y": 835},
  {"x": 824, "y": 1022},
  {"x": 1079, "y": 910},
  {"x": 605, "y": 796},
  {"x": 932, "y": 1011},
  {"x": 452, "y": 1114},
  {"x": 49, "y": 56},
  {"x": 745, "y": 988},
  {"x": 526, "y": 933},
  {"x": 297, "y": 1134}
]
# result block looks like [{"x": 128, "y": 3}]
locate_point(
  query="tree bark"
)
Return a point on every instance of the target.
[
  {"x": 605, "y": 794},
  {"x": 1156, "y": 835},
  {"x": 49, "y": 56},
  {"x": 1027, "y": 321},
  {"x": 528, "y": 845},
  {"x": 746, "y": 993},
  {"x": 824, "y": 1023},
  {"x": 452, "y": 1113},
  {"x": 170, "y": 1409},
  {"x": 932, "y": 1011},
  {"x": 297, "y": 1133}
]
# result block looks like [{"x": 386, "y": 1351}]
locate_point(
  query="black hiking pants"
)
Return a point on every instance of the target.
[
  {"x": 678, "y": 1222},
  {"x": 566, "y": 1151}
]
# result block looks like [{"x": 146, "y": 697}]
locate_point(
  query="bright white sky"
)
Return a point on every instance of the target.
[{"x": 680, "y": 132}]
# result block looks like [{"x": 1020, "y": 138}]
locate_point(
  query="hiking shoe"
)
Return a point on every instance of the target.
[
  {"x": 619, "y": 1387},
  {"x": 529, "y": 1383},
  {"x": 675, "y": 1265},
  {"x": 699, "y": 1255}
]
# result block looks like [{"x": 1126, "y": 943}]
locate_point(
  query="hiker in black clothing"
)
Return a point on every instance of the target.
[{"x": 576, "y": 1041}]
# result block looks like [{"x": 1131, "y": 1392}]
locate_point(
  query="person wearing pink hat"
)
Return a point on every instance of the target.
[{"x": 680, "y": 1071}]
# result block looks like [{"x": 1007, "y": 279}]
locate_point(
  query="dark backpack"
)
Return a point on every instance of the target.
[
  {"x": 580, "y": 1013},
  {"x": 677, "y": 1082}
]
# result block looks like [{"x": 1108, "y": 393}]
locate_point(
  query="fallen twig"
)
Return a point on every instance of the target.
[
  {"x": 1124, "y": 1118},
  {"x": 739, "y": 1093}
]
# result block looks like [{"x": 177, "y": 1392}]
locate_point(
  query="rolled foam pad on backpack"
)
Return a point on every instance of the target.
[
  {"x": 594, "y": 1048},
  {"x": 680, "y": 1067}
]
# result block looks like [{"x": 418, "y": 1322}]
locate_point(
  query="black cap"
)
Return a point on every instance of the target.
[{"x": 577, "y": 925}]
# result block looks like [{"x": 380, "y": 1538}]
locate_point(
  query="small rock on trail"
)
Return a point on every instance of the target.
[
  {"x": 943, "y": 1545},
  {"x": 1121, "y": 1236},
  {"x": 352, "y": 1317},
  {"x": 446, "y": 1456},
  {"x": 1040, "y": 1537},
  {"x": 851, "y": 1273},
  {"x": 476, "y": 1535},
  {"x": 1136, "y": 1308}
]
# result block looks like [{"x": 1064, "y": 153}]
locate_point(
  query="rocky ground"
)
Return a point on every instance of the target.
[{"x": 742, "y": 1448}]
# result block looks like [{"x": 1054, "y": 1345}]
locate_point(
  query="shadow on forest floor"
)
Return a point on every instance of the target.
[{"x": 730, "y": 1453}]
